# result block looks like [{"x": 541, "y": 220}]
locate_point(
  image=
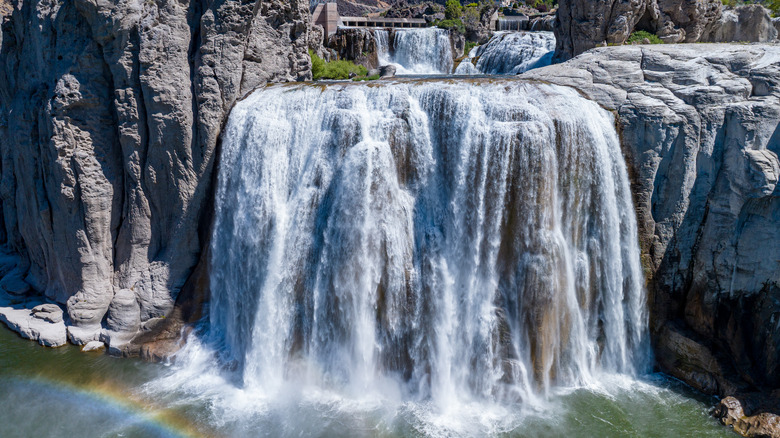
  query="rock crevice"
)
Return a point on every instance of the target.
[
  {"x": 700, "y": 125},
  {"x": 110, "y": 114}
]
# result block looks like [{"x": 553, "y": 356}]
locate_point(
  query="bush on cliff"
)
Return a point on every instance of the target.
[
  {"x": 453, "y": 10},
  {"x": 640, "y": 36},
  {"x": 456, "y": 25},
  {"x": 334, "y": 69}
]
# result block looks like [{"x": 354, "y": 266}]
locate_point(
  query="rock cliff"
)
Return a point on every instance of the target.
[
  {"x": 584, "y": 24},
  {"x": 110, "y": 114},
  {"x": 700, "y": 126}
]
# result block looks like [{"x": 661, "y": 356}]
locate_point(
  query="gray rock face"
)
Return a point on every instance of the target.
[
  {"x": 356, "y": 44},
  {"x": 34, "y": 320},
  {"x": 700, "y": 125},
  {"x": 744, "y": 23},
  {"x": 584, "y": 24},
  {"x": 109, "y": 119}
]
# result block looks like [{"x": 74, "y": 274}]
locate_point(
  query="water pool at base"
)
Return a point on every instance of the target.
[{"x": 66, "y": 393}]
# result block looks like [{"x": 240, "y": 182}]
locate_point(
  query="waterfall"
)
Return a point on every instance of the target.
[
  {"x": 416, "y": 51},
  {"x": 383, "y": 46},
  {"x": 510, "y": 53},
  {"x": 459, "y": 242}
]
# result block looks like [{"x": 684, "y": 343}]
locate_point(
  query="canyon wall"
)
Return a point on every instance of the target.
[
  {"x": 700, "y": 127},
  {"x": 110, "y": 114},
  {"x": 584, "y": 24}
]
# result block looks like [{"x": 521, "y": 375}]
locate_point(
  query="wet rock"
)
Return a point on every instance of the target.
[
  {"x": 387, "y": 71},
  {"x": 93, "y": 346},
  {"x": 457, "y": 44},
  {"x": 763, "y": 425}
]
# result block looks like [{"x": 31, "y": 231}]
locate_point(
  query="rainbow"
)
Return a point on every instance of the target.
[{"x": 105, "y": 402}]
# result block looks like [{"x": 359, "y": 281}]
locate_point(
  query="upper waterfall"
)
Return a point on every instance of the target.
[
  {"x": 457, "y": 241},
  {"x": 416, "y": 51},
  {"x": 510, "y": 53}
]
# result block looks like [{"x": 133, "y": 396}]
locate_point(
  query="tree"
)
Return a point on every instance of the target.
[{"x": 453, "y": 10}]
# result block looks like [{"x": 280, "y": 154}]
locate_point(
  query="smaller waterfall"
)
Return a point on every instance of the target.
[
  {"x": 416, "y": 51},
  {"x": 510, "y": 53}
]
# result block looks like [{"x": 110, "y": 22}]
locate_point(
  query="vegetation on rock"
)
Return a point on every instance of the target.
[
  {"x": 338, "y": 70},
  {"x": 643, "y": 37}
]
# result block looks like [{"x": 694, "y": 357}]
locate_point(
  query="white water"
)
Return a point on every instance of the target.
[
  {"x": 510, "y": 53},
  {"x": 416, "y": 51},
  {"x": 453, "y": 250}
]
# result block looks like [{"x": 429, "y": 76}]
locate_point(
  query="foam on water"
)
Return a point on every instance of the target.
[
  {"x": 416, "y": 51},
  {"x": 510, "y": 53},
  {"x": 450, "y": 254}
]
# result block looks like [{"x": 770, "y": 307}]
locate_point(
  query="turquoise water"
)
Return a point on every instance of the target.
[{"x": 66, "y": 393}]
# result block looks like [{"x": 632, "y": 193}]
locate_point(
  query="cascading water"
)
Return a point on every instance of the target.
[
  {"x": 510, "y": 53},
  {"x": 434, "y": 243},
  {"x": 416, "y": 51}
]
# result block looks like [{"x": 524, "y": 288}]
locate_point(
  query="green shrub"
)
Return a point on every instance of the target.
[
  {"x": 453, "y": 10},
  {"x": 451, "y": 24},
  {"x": 469, "y": 45},
  {"x": 317, "y": 65},
  {"x": 334, "y": 69},
  {"x": 641, "y": 35},
  {"x": 774, "y": 6}
]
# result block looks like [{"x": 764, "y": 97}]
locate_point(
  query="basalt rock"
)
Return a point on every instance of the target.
[
  {"x": 750, "y": 23},
  {"x": 700, "y": 127},
  {"x": 584, "y": 24},
  {"x": 731, "y": 412},
  {"x": 357, "y": 45},
  {"x": 109, "y": 118}
]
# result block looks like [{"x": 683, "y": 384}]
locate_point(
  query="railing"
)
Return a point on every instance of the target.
[{"x": 383, "y": 22}]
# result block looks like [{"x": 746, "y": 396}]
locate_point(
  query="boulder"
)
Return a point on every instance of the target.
[
  {"x": 457, "y": 44},
  {"x": 763, "y": 425},
  {"x": 48, "y": 312},
  {"x": 93, "y": 346},
  {"x": 34, "y": 320},
  {"x": 387, "y": 71}
]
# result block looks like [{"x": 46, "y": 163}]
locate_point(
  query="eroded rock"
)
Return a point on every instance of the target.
[
  {"x": 750, "y": 23},
  {"x": 700, "y": 128},
  {"x": 109, "y": 119},
  {"x": 762, "y": 425},
  {"x": 584, "y": 24}
]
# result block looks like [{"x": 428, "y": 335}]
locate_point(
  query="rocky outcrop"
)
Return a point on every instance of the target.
[
  {"x": 356, "y": 44},
  {"x": 584, "y": 24},
  {"x": 700, "y": 126},
  {"x": 110, "y": 114},
  {"x": 760, "y": 425},
  {"x": 542, "y": 23},
  {"x": 745, "y": 23}
]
